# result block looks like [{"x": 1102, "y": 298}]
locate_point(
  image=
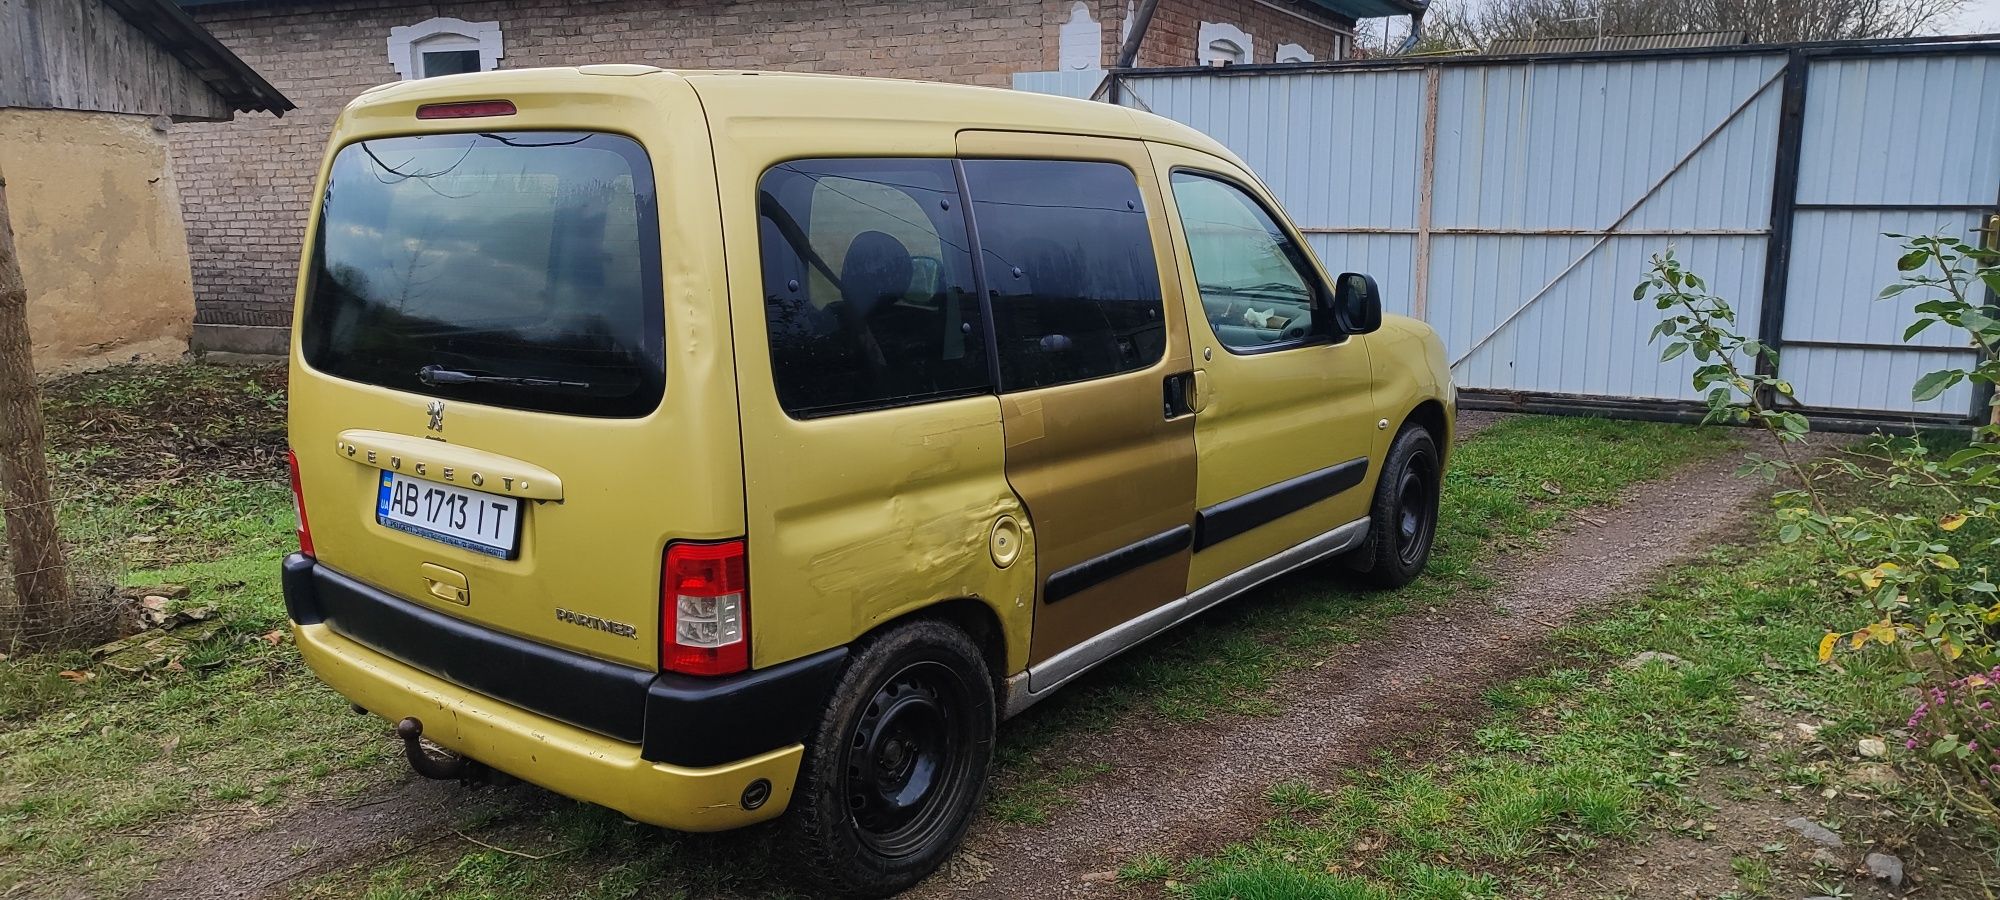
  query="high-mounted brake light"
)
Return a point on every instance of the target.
[
  {"x": 469, "y": 110},
  {"x": 299, "y": 505},
  {"x": 705, "y": 609}
]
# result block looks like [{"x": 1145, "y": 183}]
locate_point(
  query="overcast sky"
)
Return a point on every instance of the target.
[{"x": 1980, "y": 16}]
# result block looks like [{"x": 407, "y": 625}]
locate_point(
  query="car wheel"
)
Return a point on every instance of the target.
[
  {"x": 894, "y": 771},
  {"x": 1402, "y": 521}
]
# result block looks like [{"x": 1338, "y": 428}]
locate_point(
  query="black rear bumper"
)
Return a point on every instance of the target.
[{"x": 675, "y": 719}]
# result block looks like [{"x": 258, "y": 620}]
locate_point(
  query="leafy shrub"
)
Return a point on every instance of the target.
[{"x": 1920, "y": 572}]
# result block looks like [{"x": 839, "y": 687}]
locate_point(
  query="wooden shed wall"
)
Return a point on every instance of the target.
[{"x": 82, "y": 55}]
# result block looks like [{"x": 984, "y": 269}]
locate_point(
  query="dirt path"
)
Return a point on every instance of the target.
[
  {"x": 1471, "y": 422},
  {"x": 262, "y": 856},
  {"x": 1180, "y": 791}
]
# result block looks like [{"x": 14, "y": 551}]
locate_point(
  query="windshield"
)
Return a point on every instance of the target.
[{"x": 513, "y": 269}]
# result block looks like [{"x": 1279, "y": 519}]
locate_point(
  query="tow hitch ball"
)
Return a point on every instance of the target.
[{"x": 441, "y": 765}]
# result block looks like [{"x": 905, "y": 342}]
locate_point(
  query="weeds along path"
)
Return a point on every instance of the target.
[{"x": 1180, "y": 790}]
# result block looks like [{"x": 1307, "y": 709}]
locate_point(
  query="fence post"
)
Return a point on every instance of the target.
[
  {"x": 1784, "y": 202},
  {"x": 1983, "y": 410},
  {"x": 1426, "y": 186}
]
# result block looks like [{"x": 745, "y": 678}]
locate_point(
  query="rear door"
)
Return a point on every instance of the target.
[
  {"x": 1088, "y": 353},
  {"x": 487, "y": 418}
]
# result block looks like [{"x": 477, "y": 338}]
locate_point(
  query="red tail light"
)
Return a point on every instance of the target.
[
  {"x": 476, "y": 109},
  {"x": 705, "y": 609},
  {"x": 299, "y": 505}
]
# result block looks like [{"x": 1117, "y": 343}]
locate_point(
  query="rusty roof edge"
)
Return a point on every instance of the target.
[
  {"x": 224, "y": 72},
  {"x": 1664, "y": 40},
  {"x": 1985, "y": 44}
]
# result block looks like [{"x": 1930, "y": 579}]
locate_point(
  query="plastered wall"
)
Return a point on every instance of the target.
[{"x": 97, "y": 221}]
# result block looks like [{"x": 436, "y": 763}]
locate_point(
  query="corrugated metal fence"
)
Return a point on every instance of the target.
[{"x": 1513, "y": 202}]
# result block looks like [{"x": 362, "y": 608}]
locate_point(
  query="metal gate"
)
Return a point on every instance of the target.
[
  {"x": 1907, "y": 143},
  {"x": 1513, "y": 202}
]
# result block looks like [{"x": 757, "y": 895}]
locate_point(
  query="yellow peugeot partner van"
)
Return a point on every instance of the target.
[{"x": 722, "y": 446}]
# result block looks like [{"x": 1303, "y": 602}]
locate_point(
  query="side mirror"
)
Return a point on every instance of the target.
[{"x": 1357, "y": 304}]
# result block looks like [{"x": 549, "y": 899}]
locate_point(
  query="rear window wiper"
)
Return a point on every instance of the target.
[{"x": 438, "y": 375}]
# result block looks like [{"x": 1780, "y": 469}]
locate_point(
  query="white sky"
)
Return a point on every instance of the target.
[{"x": 1979, "y": 16}]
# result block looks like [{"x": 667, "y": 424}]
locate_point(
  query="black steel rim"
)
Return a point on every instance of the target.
[
  {"x": 906, "y": 759},
  {"x": 1416, "y": 507}
]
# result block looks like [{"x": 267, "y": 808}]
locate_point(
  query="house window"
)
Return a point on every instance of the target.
[
  {"x": 444, "y": 46},
  {"x": 448, "y": 62},
  {"x": 1293, "y": 53},
  {"x": 1223, "y": 44}
]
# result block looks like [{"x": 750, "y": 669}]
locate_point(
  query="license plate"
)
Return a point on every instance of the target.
[{"x": 470, "y": 520}]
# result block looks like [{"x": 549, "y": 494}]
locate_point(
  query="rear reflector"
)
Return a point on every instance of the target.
[
  {"x": 469, "y": 110},
  {"x": 705, "y": 609},
  {"x": 299, "y": 505}
]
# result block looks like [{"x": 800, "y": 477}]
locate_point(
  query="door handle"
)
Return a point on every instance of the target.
[
  {"x": 1177, "y": 394},
  {"x": 446, "y": 585}
]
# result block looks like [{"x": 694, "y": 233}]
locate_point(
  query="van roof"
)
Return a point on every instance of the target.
[{"x": 778, "y": 95}]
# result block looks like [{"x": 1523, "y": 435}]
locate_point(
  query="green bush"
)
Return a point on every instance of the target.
[{"x": 1918, "y": 562}]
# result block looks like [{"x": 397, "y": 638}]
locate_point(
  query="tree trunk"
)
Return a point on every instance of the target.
[{"x": 42, "y": 594}]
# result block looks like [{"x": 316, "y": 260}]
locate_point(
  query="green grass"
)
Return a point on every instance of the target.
[
  {"x": 1506, "y": 487},
  {"x": 98, "y": 780},
  {"x": 243, "y": 723},
  {"x": 1587, "y": 753},
  {"x": 1031, "y": 802},
  {"x": 1753, "y": 875}
]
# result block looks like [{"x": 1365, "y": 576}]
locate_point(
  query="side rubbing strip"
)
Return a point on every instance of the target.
[
  {"x": 1230, "y": 518},
  {"x": 1099, "y": 569}
]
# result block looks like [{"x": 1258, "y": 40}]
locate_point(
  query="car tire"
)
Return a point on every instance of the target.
[
  {"x": 1402, "y": 520},
  {"x": 895, "y": 770}
]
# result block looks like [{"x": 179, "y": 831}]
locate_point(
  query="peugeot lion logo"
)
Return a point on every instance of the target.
[{"x": 437, "y": 415}]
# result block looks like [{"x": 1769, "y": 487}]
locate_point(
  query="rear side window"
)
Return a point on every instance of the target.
[
  {"x": 1070, "y": 269},
  {"x": 869, "y": 297},
  {"x": 512, "y": 269}
]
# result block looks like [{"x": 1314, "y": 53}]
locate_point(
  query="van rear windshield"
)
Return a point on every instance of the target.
[{"x": 516, "y": 269}]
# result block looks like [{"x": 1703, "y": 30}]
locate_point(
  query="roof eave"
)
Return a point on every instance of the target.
[
  {"x": 1372, "y": 9},
  {"x": 187, "y": 41}
]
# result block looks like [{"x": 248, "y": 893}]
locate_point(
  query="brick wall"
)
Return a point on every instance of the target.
[
  {"x": 246, "y": 185},
  {"x": 1171, "y": 39}
]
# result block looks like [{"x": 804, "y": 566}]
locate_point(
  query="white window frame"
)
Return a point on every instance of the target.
[
  {"x": 1293, "y": 53},
  {"x": 1080, "y": 41},
  {"x": 409, "y": 43},
  {"x": 1212, "y": 33}
]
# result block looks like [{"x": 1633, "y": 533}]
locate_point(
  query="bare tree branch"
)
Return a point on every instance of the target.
[{"x": 1477, "y": 24}]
